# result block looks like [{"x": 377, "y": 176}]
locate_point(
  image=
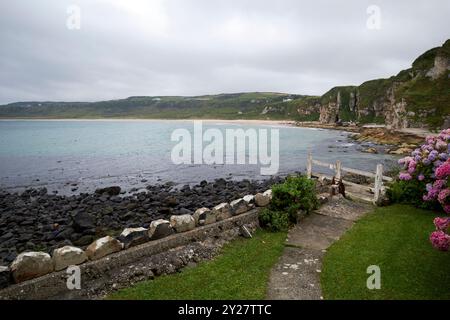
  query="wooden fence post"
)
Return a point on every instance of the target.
[
  {"x": 378, "y": 184},
  {"x": 338, "y": 170},
  {"x": 309, "y": 166}
]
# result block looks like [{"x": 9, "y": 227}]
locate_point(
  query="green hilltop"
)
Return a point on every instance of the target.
[{"x": 416, "y": 97}]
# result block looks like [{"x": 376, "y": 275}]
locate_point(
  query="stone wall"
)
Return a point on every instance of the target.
[{"x": 37, "y": 275}]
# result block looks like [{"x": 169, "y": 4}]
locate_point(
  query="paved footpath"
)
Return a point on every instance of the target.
[{"x": 296, "y": 276}]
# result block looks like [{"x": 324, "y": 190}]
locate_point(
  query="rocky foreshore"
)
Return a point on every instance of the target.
[
  {"x": 37, "y": 221},
  {"x": 396, "y": 142}
]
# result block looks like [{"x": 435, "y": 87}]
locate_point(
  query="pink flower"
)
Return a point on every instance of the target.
[
  {"x": 405, "y": 176},
  {"x": 421, "y": 177},
  {"x": 412, "y": 166},
  {"x": 441, "y": 145},
  {"x": 443, "y": 194},
  {"x": 443, "y": 171},
  {"x": 442, "y": 223},
  {"x": 440, "y": 240}
]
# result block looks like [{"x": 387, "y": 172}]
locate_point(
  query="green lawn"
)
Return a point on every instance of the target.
[
  {"x": 241, "y": 271},
  {"x": 396, "y": 239}
]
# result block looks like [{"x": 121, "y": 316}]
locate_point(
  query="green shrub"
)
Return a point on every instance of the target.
[
  {"x": 294, "y": 194},
  {"x": 410, "y": 192},
  {"x": 274, "y": 220}
]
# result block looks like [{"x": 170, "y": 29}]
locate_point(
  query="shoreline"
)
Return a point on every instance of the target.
[{"x": 243, "y": 121}]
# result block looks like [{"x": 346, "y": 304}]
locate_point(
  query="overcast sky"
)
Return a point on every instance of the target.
[{"x": 192, "y": 47}]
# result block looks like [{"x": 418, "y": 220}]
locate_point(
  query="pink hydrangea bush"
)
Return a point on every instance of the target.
[
  {"x": 430, "y": 164},
  {"x": 439, "y": 238}
]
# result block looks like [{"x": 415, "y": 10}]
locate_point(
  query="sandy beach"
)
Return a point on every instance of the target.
[{"x": 239, "y": 121}]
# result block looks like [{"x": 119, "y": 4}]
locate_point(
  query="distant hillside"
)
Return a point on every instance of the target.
[
  {"x": 416, "y": 97},
  {"x": 223, "y": 106}
]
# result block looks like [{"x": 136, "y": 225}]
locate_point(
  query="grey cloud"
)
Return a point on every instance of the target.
[{"x": 190, "y": 47}]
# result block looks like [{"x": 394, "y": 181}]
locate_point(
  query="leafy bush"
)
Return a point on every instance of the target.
[
  {"x": 428, "y": 169},
  {"x": 274, "y": 220},
  {"x": 294, "y": 194},
  {"x": 410, "y": 192},
  {"x": 426, "y": 176}
]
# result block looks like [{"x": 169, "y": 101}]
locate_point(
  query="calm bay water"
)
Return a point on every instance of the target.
[{"x": 64, "y": 155}]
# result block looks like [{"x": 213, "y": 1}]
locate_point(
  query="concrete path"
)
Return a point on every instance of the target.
[{"x": 296, "y": 276}]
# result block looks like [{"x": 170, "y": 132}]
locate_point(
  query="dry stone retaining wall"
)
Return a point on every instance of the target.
[{"x": 36, "y": 275}]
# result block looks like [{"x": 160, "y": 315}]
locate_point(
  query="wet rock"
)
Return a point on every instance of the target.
[
  {"x": 68, "y": 256},
  {"x": 401, "y": 151},
  {"x": 370, "y": 150},
  {"x": 103, "y": 247},
  {"x": 29, "y": 265},
  {"x": 222, "y": 211},
  {"x": 82, "y": 221},
  {"x": 184, "y": 211},
  {"x": 160, "y": 229},
  {"x": 83, "y": 240},
  {"x": 171, "y": 201},
  {"x": 65, "y": 233},
  {"x": 5, "y": 277},
  {"x": 182, "y": 223},
  {"x": 133, "y": 236},
  {"x": 112, "y": 191}
]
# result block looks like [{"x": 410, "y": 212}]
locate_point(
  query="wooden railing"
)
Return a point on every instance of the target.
[{"x": 338, "y": 169}]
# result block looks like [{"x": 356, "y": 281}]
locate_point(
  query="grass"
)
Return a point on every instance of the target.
[
  {"x": 241, "y": 271},
  {"x": 396, "y": 239}
]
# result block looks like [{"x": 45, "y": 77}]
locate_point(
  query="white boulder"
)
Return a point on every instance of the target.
[
  {"x": 239, "y": 206},
  {"x": 133, "y": 236},
  {"x": 159, "y": 229},
  {"x": 222, "y": 211},
  {"x": 29, "y": 265},
  {"x": 103, "y": 247},
  {"x": 268, "y": 193},
  {"x": 262, "y": 200},
  {"x": 182, "y": 223},
  {"x": 68, "y": 256},
  {"x": 204, "y": 216},
  {"x": 250, "y": 200}
]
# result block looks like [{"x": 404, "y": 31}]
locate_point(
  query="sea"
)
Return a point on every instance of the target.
[{"x": 74, "y": 156}]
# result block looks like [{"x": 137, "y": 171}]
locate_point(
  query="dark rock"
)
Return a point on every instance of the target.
[
  {"x": 171, "y": 201},
  {"x": 84, "y": 240},
  {"x": 165, "y": 210},
  {"x": 6, "y": 236},
  {"x": 50, "y": 220},
  {"x": 66, "y": 233},
  {"x": 128, "y": 216},
  {"x": 83, "y": 221},
  {"x": 184, "y": 211},
  {"x": 112, "y": 191},
  {"x": 5, "y": 277}
]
